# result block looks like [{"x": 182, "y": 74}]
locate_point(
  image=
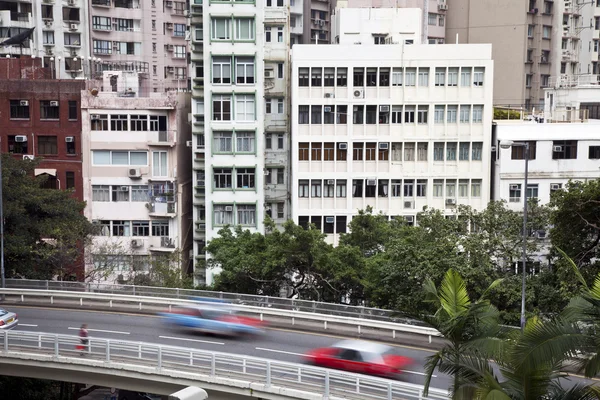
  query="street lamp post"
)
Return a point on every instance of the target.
[{"x": 507, "y": 144}]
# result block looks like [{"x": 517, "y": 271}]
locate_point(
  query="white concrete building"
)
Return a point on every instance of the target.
[
  {"x": 61, "y": 36},
  {"x": 558, "y": 153},
  {"x": 581, "y": 101},
  {"x": 134, "y": 185},
  {"x": 377, "y": 25},
  {"x": 393, "y": 127}
]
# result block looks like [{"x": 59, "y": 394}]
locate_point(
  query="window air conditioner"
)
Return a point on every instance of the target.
[
  {"x": 168, "y": 4},
  {"x": 201, "y": 183},
  {"x": 541, "y": 234},
  {"x": 409, "y": 204},
  {"x": 269, "y": 74},
  {"x": 229, "y": 208},
  {"x": 409, "y": 218},
  {"x": 95, "y": 116},
  {"x": 557, "y": 149},
  {"x": 329, "y": 95},
  {"x": 384, "y": 108},
  {"x": 73, "y": 27},
  {"x": 443, "y": 7},
  {"x": 134, "y": 173},
  {"x": 137, "y": 243},
  {"x": 28, "y": 157},
  {"x": 70, "y": 139},
  {"x": 329, "y": 220},
  {"x": 54, "y": 104},
  {"x": 24, "y": 103},
  {"x": 359, "y": 93},
  {"x": 188, "y": 143},
  {"x": 384, "y": 146},
  {"x": 343, "y": 146},
  {"x": 450, "y": 202},
  {"x": 20, "y": 138},
  {"x": 170, "y": 47},
  {"x": 171, "y": 70},
  {"x": 555, "y": 186},
  {"x": 327, "y": 109},
  {"x": 330, "y": 182},
  {"x": 514, "y": 187},
  {"x": 371, "y": 182},
  {"x": 124, "y": 189},
  {"x": 169, "y": 25},
  {"x": 48, "y": 23}
]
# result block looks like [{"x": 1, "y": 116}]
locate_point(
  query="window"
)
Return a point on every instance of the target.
[
  {"x": 452, "y": 76},
  {"x": 518, "y": 152},
  {"x": 340, "y": 188},
  {"x": 371, "y": 151},
  {"x": 463, "y": 151},
  {"x": 303, "y": 188},
  {"x": 384, "y": 77},
  {"x": 547, "y": 32},
  {"x": 159, "y": 163},
  {"x": 221, "y": 107},
  {"x": 357, "y": 151},
  {"x": 397, "y": 77},
  {"x": 371, "y": 114},
  {"x": 421, "y": 187},
  {"x": 371, "y": 76},
  {"x": 73, "y": 110},
  {"x": 451, "y": 112},
  {"x": 409, "y": 114},
  {"x": 47, "y": 145},
  {"x": 49, "y": 109},
  {"x": 70, "y": 145},
  {"x": 422, "y": 151},
  {"x": 328, "y": 151},
  {"x": 179, "y": 52},
  {"x": 119, "y": 123},
  {"x": 315, "y": 114},
  {"x": 139, "y": 193},
  {"x": 477, "y": 150},
  {"x": 140, "y": 228},
  {"x": 357, "y": 187},
  {"x": 438, "y": 114},
  {"x": 48, "y": 37},
  {"x": 423, "y": 77},
  {"x": 245, "y": 142},
  {"x": 396, "y": 151},
  {"x": 280, "y": 176},
  {"x": 396, "y": 187},
  {"x": 438, "y": 151},
  {"x": 303, "y": 114},
  {"x": 440, "y": 76},
  {"x": 315, "y": 153},
  {"x": 105, "y": 157},
  {"x": 303, "y": 80},
  {"x": 530, "y": 29},
  {"x": 432, "y": 19},
  {"x": 451, "y": 151},
  {"x": 121, "y": 228},
  {"x": 396, "y": 114},
  {"x": 477, "y": 114},
  {"x": 514, "y": 193},
  {"x": 328, "y": 188},
  {"x": 409, "y": 188},
  {"x": 222, "y": 142},
  {"x": 382, "y": 187},
  {"x": 564, "y": 149},
  {"x": 478, "y": 76},
  {"x": 280, "y": 35},
  {"x": 341, "y": 114},
  {"x": 280, "y": 141},
  {"x": 316, "y": 76},
  {"x": 532, "y": 190},
  {"x": 221, "y": 29},
  {"x": 329, "y": 77},
  {"x": 246, "y": 214},
  {"x": 463, "y": 188},
  {"x": 19, "y": 109},
  {"x": 328, "y": 115},
  {"x": 139, "y": 123},
  {"x": 179, "y": 30},
  {"x": 244, "y": 107},
  {"x": 409, "y": 152},
  {"x": 223, "y": 214},
  {"x": 594, "y": 152},
  {"x": 100, "y": 193},
  {"x": 244, "y": 29},
  {"x": 221, "y": 70},
  {"x": 160, "y": 228},
  {"x": 545, "y": 81},
  {"x": 70, "y": 178},
  {"x": 438, "y": 188},
  {"x": 267, "y": 34},
  {"x": 342, "y": 77},
  {"x": 465, "y": 76},
  {"x": 384, "y": 153},
  {"x": 315, "y": 188},
  {"x": 465, "y": 113},
  {"x": 476, "y": 188},
  {"x": 359, "y": 77},
  {"x": 245, "y": 178},
  {"x": 451, "y": 188},
  {"x": 410, "y": 76},
  {"x": 223, "y": 178},
  {"x": 303, "y": 152},
  {"x": 342, "y": 154},
  {"x": 280, "y": 71}
]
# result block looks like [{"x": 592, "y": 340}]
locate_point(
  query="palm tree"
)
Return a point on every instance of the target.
[{"x": 464, "y": 324}]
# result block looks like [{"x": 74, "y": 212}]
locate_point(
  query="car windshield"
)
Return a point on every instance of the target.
[{"x": 3, "y": 312}]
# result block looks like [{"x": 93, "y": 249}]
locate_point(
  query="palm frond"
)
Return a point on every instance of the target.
[
  {"x": 574, "y": 268},
  {"x": 453, "y": 294},
  {"x": 430, "y": 365},
  {"x": 577, "y": 392},
  {"x": 490, "y": 288}
]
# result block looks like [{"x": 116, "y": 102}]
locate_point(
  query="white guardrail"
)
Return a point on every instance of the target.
[
  {"x": 109, "y": 299},
  {"x": 258, "y": 374}
]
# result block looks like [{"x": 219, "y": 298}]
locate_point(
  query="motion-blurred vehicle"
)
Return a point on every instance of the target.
[
  {"x": 360, "y": 357},
  {"x": 213, "y": 318},
  {"x": 8, "y": 320}
]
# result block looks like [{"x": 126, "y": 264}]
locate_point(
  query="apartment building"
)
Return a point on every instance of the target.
[
  {"x": 61, "y": 37},
  {"x": 432, "y": 17},
  {"x": 558, "y": 152},
  {"x": 394, "y": 127},
  {"x": 137, "y": 182},
  {"x": 316, "y": 21},
  {"x": 148, "y": 37},
  {"x": 570, "y": 102}
]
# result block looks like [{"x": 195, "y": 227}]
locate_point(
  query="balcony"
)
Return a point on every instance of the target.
[
  {"x": 160, "y": 138},
  {"x": 275, "y": 16},
  {"x": 15, "y": 19},
  {"x": 166, "y": 245}
]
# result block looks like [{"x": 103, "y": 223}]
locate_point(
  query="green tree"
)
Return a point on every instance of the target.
[{"x": 45, "y": 229}]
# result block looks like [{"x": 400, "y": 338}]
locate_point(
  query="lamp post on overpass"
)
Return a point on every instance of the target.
[
  {"x": 507, "y": 144},
  {"x": 3, "y": 283}
]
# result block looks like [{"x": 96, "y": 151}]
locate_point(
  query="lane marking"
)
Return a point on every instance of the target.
[
  {"x": 417, "y": 373},
  {"x": 191, "y": 340},
  {"x": 102, "y": 330},
  {"x": 279, "y": 351},
  {"x": 27, "y": 325}
]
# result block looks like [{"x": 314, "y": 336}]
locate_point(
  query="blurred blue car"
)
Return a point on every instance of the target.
[{"x": 212, "y": 319}]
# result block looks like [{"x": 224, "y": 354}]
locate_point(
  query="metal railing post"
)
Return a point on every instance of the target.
[
  {"x": 213, "y": 365},
  {"x": 6, "y": 341},
  {"x": 56, "y": 349},
  {"x": 326, "y": 394},
  {"x": 159, "y": 355},
  {"x": 108, "y": 351},
  {"x": 268, "y": 383}
]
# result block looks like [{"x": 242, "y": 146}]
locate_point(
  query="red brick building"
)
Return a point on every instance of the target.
[{"x": 41, "y": 118}]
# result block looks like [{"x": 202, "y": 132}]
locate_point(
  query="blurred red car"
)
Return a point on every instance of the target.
[{"x": 360, "y": 357}]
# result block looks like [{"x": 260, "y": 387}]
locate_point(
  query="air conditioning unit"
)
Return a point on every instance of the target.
[
  {"x": 73, "y": 53},
  {"x": 20, "y": 138},
  {"x": 169, "y": 25},
  {"x": 409, "y": 204},
  {"x": 171, "y": 70},
  {"x": 71, "y": 2},
  {"x": 266, "y": 172},
  {"x": 327, "y": 109},
  {"x": 557, "y": 149},
  {"x": 49, "y": 51},
  {"x": 371, "y": 182},
  {"x": 443, "y": 7},
  {"x": 384, "y": 109},
  {"x": 409, "y": 218},
  {"x": 28, "y": 157},
  {"x": 359, "y": 93},
  {"x": 24, "y": 103},
  {"x": 269, "y": 74},
  {"x": 54, "y": 104},
  {"x": 329, "y": 220},
  {"x": 555, "y": 186},
  {"x": 124, "y": 189},
  {"x": 48, "y": 23},
  {"x": 514, "y": 187},
  {"x": 137, "y": 243},
  {"x": 188, "y": 143},
  {"x": 330, "y": 182},
  {"x": 70, "y": 139},
  {"x": 450, "y": 202},
  {"x": 95, "y": 117},
  {"x": 541, "y": 234},
  {"x": 228, "y": 208},
  {"x": 170, "y": 47},
  {"x": 384, "y": 146},
  {"x": 169, "y": 4},
  {"x": 329, "y": 95},
  {"x": 343, "y": 146},
  {"x": 73, "y": 27},
  {"x": 134, "y": 173}
]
